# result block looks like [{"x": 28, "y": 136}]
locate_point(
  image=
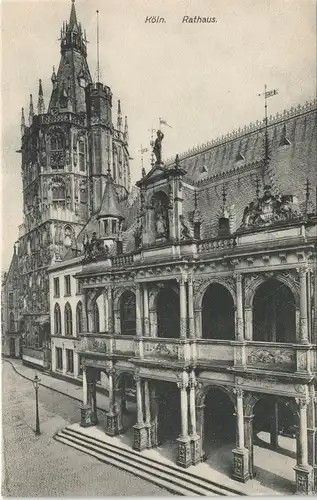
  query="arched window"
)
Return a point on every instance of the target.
[
  {"x": 127, "y": 314},
  {"x": 79, "y": 318},
  {"x": 11, "y": 323},
  {"x": 57, "y": 320},
  {"x": 68, "y": 320},
  {"x": 274, "y": 313},
  {"x": 95, "y": 318}
]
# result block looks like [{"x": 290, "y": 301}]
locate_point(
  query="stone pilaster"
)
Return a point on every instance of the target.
[
  {"x": 239, "y": 334},
  {"x": 303, "y": 471},
  {"x": 183, "y": 307},
  {"x": 303, "y": 305},
  {"x": 191, "y": 320}
]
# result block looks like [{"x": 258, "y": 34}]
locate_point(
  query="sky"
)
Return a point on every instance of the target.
[{"x": 203, "y": 79}]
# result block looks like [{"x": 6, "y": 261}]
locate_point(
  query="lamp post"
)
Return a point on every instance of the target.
[{"x": 36, "y": 383}]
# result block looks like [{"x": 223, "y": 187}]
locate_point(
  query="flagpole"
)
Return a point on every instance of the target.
[{"x": 266, "y": 150}]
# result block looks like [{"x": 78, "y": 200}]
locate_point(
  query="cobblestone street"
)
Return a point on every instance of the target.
[{"x": 38, "y": 465}]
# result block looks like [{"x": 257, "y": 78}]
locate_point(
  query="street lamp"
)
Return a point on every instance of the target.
[{"x": 36, "y": 382}]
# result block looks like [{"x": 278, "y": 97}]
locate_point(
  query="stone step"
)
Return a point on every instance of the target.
[
  {"x": 172, "y": 478},
  {"x": 176, "y": 470}
]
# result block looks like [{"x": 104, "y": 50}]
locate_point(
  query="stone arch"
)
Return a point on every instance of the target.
[
  {"x": 226, "y": 390},
  {"x": 200, "y": 292},
  {"x": 274, "y": 312},
  {"x": 252, "y": 286},
  {"x": 215, "y": 309},
  {"x": 118, "y": 296}
]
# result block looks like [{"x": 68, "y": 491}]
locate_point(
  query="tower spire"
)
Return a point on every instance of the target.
[
  {"x": 40, "y": 101},
  {"x": 73, "y": 24},
  {"x": 31, "y": 110},
  {"x": 22, "y": 122},
  {"x": 98, "y": 58},
  {"x": 126, "y": 130},
  {"x": 119, "y": 116}
]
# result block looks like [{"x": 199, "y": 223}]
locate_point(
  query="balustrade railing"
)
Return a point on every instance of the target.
[
  {"x": 216, "y": 245},
  {"x": 122, "y": 260},
  {"x": 271, "y": 356}
]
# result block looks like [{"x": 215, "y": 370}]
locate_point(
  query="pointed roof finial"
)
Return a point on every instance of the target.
[
  {"x": 53, "y": 77},
  {"x": 40, "y": 102},
  {"x": 126, "y": 130},
  {"x": 22, "y": 122},
  {"x": 73, "y": 18},
  {"x": 119, "y": 116},
  {"x": 31, "y": 110}
]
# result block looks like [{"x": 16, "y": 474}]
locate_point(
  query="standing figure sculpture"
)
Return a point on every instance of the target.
[{"x": 157, "y": 149}]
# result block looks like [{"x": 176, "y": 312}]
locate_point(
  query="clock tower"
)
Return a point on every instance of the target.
[{"x": 66, "y": 152}]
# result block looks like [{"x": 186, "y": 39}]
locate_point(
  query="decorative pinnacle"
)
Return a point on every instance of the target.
[
  {"x": 31, "y": 110},
  {"x": 126, "y": 130},
  {"x": 22, "y": 122},
  {"x": 40, "y": 102},
  {"x": 119, "y": 116}
]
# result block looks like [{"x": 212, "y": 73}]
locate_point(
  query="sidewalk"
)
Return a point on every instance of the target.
[{"x": 61, "y": 386}]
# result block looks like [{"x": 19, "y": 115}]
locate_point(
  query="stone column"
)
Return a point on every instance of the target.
[
  {"x": 194, "y": 437},
  {"x": 303, "y": 306},
  {"x": 184, "y": 448},
  {"x": 274, "y": 427},
  {"x": 239, "y": 334},
  {"x": 191, "y": 320},
  {"x": 146, "y": 320},
  {"x": 248, "y": 442},
  {"x": 110, "y": 309},
  {"x": 64, "y": 360},
  {"x": 139, "y": 429},
  {"x": 240, "y": 466},
  {"x": 92, "y": 399},
  {"x": 200, "y": 409},
  {"x": 138, "y": 305},
  {"x": 183, "y": 308},
  {"x": 85, "y": 408},
  {"x": 147, "y": 408},
  {"x": 112, "y": 417},
  {"x": 154, "y": 413},
  {"x": 303, "y": 471}
]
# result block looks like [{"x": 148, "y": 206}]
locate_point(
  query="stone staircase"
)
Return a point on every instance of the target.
[{"x": 172, "y": 478}]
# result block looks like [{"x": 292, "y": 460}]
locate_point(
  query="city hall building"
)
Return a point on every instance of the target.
[{"x": 196, "y": 292}]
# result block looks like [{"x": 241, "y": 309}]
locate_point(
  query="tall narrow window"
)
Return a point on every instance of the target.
[
  {"x": 67, "y": 286},
  {"x": 68, "y": 320},
  {"x": 79, "y": 318},
  {"x": 96, "y": 323},
  {"x": 56, "y": 287},
  {"x": 59, "y": 358},
  {"x": 12, "y": 323},
  {"x": 69, "y": 360},
  {"x": 57, "y": 320}
]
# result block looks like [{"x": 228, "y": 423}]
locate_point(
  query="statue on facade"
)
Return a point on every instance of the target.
[{"x": 157, "y": 149}]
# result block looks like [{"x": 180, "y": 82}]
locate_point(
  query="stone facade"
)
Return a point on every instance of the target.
[{"x": 66, "y": 153}]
